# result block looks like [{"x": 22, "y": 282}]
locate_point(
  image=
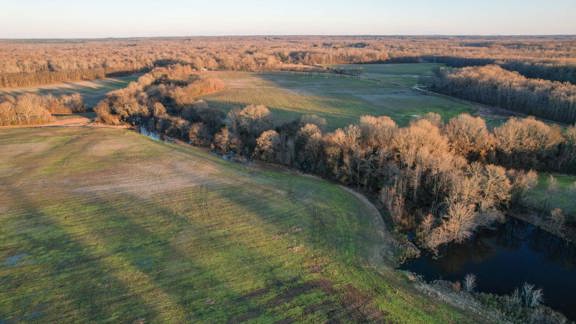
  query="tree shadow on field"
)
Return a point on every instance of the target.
[
  {"x": 193, "y": 283},
  {"x": 318, "y": 223},
  {"x": 280, "y": 284},
  {"x": 314, "y": 232},
  {"x": 72, "y": 283}
]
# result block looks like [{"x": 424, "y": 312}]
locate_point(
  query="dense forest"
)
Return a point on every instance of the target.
[
  {"x": 440, "y": 180},
  {"x": 493, "y": 85},
  {"x": 24, "y": 63}
]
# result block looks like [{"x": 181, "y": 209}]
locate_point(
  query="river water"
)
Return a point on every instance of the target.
[{"x": 504, "y": 258}]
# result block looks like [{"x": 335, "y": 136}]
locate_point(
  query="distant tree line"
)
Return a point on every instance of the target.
[
  {"x": 543, "y": 70},
  {"x": 30, "y": 109},
  {"x": 27, "y": 79},
  {"x": 440, "y": 180},
  {"x": 493, "y": 85},
  {"x": 35, "y": 62},
  {"x": 547, "y": 70}
]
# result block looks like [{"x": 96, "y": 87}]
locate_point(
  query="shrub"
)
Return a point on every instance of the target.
[{"x": 469, "y": 283}]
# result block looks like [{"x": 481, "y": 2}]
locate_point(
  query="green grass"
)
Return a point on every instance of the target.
[
  {"x": 105, "y": 225},
  {"x": 381, "y": 90},
  {"x": 91, "y": 91},
  {"x": 390, "y": 70},
  {"x": 564, "y": 197}
]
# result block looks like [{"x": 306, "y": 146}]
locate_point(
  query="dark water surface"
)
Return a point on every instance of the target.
[{"x": 504, "y": 258}]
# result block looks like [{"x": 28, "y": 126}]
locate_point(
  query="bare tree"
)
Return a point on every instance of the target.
[
  {"x": 469, "y": 283},
  {"x": 469, "y": 136},
  {"x": 267, "y": 146}
]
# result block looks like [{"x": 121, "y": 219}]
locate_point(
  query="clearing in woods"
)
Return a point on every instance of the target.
[
  {"x": 92, "y": 91},
  {"x": 382, "y": 89},
  {"x": 105, "y": 224}
]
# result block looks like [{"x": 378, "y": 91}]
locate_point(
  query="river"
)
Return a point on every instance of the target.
[{"x": 504, "y": 258}]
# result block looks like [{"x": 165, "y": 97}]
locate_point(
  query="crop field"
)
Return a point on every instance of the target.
[
  {"x": 380, "y": 90},
  {"x": 92, "y": 91},
  {"x": 106, "y": 225},
  {"x": 561, "y": 196}
]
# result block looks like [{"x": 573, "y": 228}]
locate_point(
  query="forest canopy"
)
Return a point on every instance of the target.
[
  {"x": 493, "y": 85},
  {"x": 25, "y": 63}
]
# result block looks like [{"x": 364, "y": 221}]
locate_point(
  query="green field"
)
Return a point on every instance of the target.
[
  {"x": 564, "y": 196},
  {"x": 380, "y": 90},
  {"x": 106, "y": 225},
  {"x": 91, "y": 91}
]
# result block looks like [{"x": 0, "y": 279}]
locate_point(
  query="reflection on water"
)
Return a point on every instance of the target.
[{"x": 504, "y": 258}]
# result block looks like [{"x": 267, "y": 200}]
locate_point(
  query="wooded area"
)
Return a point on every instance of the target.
[
  {"x": 29, "y": 109},
  {"x": 493, "y": 85},
  {"x": 24, "y": 63}
]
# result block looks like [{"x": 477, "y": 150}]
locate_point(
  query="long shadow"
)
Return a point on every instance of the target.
[
  {"x": 71, "y": 272},
  {"x": 353, "y": 304},
  {"x": 283, "y": 288},
  {"x": 318, "y": 221},
  {"x": 126, "y": 241},
  {"x": 152, "y": 255}
]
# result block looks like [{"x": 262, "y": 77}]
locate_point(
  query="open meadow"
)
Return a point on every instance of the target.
[
  {"x": 106, "y": 225},
  {"x": 92, "y": 91},
  {"x": 382, "y": 89}
]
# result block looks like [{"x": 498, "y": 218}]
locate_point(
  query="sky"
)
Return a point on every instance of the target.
[{"x": 142, "y": 18}]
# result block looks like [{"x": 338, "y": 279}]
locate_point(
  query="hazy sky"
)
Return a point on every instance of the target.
[{"x": 119, "y": 18}]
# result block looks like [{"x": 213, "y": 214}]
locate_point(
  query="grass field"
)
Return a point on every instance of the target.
[
  {"x": 91, "y": 91},
  {"x": 381, "y": 90},
  {"x": 564, "y": 196},
  {"x": 106, "y": 225}
]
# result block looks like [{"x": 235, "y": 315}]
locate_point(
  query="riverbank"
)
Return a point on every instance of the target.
[
  {"x": 503, "y": 259},
  {"x": 497, "y": 308},
  {"x": 538, "y": 219}
]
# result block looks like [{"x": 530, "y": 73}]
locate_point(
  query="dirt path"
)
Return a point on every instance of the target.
[
  {"x": 75, "y": 121},
  {"x": 388, "y": 249},
  {"x": 378, "y": 256},
  {"x": 69, "y": 121}
]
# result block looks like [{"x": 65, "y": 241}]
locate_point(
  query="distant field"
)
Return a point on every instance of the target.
[
  {"x": 381, "y": 90},
  {"x": 105, "y": 225},
  {"x": 91, "y": 91},
  {"x": 564, "y": 197},
  {"x": 405, "y": 74}
]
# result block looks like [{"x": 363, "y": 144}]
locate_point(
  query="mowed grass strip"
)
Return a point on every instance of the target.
[
  {"x": 105, "y": 225},
  {"x": 383, "y": 89}
]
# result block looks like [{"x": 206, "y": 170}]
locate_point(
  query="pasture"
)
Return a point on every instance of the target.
[
  {"x": 341, "y": 99},
  {"x": 106, "y": 225},
  {"x": 92, "y": 91}
]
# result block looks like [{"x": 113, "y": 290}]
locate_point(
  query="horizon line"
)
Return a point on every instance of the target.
[{"x": 283, "y": 35}]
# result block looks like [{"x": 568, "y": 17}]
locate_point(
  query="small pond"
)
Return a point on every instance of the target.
[{"x": 504, "y": 258}]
